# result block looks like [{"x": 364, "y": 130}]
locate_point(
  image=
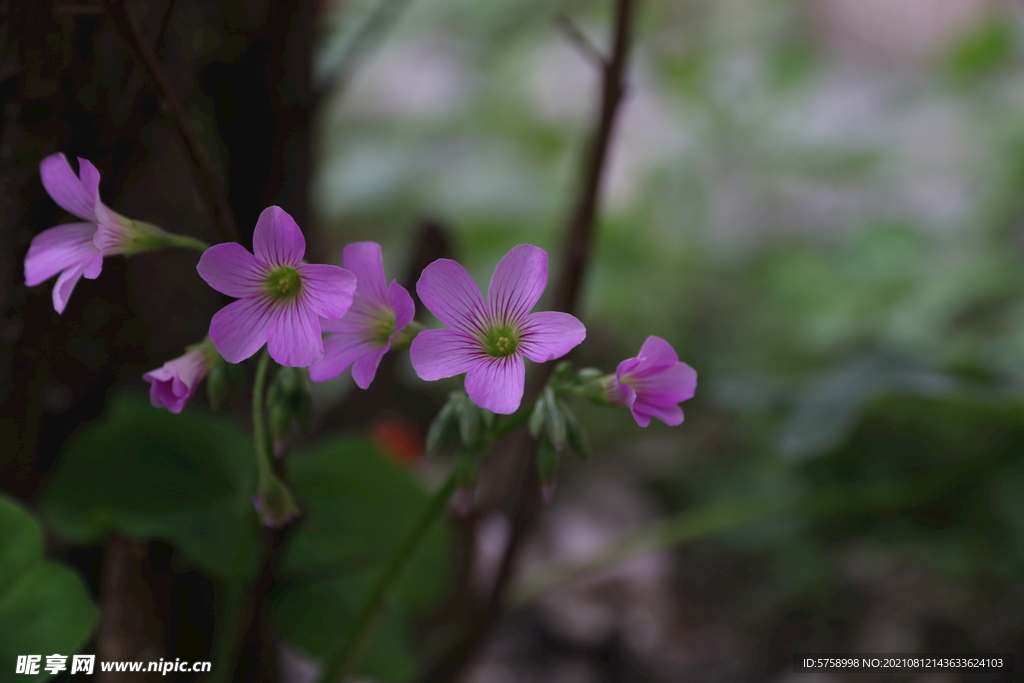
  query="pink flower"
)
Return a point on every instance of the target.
[
  {"x": 365, "y": 334},
  {"x": 172, "y": 385},
  {"x": 74, "y": 249},
  {"x": 488, "y": 340},
  {"x": 280, "y": 298},
  {"x": 653, "y": 383}
]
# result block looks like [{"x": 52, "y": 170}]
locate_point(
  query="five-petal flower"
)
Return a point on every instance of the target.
[
  {"x": 378, "y": 314},
  {"x": 75, "y": 249},
  {"x": 281, "y": 299},
  {"x": 653, "y": 384},
  {"x": 488, "y": 340}
]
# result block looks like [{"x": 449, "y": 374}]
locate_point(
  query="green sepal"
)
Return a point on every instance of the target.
[
  {"x": 547, "y": 462},
  {"x": 579, "y": 441}
]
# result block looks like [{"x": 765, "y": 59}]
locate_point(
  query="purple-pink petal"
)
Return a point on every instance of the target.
[
  {"x": 277, "y": 239},
  {"x": 550, "y": 334},
  {"x": 403, "y": 306},
  {"x": 365, "y": 367},
  {"x": 294, "y": 336},
  {"x": 58, "y": 249},
  {"x": 365, "y": 260},
  {"x": 436, "y": 354},
  {"x": 77, "y": 196},
  {"x": 671, "y": 414},
  {"x": 657, "y": 352},
  {"x": 239, "y": 329},
  {"x": 327, "y": 290},
  {"x": 341, "y": 350},
  {"x": 448, "y": 291},
  {"x": 496, "y": 384},
  {"x": 65, "y": 285},
  {"x": 518, "y": 282},
  {"x": 231, "y": 269},
  {"x": 172, "y": 385}
]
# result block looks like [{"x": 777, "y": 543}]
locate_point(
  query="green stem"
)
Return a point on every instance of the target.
[
  {"x": 173, "y": 240},
  {"x": 229, "y": 632},
  {"x": 343, "y": 662},
  {"x": 259, "y": 427}
]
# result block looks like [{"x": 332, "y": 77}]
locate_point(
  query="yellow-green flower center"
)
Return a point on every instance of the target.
[
  {"x": 383, "y": 327},
  {"x": 284, "y": 283},
  {"x": 501, "y": 341}
]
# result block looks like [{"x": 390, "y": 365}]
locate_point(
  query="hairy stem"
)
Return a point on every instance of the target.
[{"x": 343, "y": 662}]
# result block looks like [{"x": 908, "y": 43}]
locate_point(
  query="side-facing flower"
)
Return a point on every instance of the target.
[
  {"x": 378, "y": 314},
  {"x": 172, "y": 385},
  {"x": 281, "y": 299},
  {"x": 77, "y": 249},
  {"x": 653, "y": 384},
  {"x": 488, "y": 340}
]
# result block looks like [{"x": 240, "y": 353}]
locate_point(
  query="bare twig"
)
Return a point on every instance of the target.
[
  {"x": 577, "y": 37},
  {"x": 207, "y": 182},
  {"x": 579, "y": 239}
]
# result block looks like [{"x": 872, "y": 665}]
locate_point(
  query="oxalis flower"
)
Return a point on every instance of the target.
[
  {"x": 172, "y": 385},
  {"x": 652, "y": 384},
  {"x": 488, "y": 340},
  {"x": 77, "y": 249},
  {"x": 378, "y": 315},
  {"x": 281, "y": 299}
]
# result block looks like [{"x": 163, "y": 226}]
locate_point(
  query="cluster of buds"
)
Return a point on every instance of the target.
[{"x": 317, "y": 321}]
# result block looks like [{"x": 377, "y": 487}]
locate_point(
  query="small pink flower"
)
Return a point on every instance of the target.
[
  {"x": 172, "y": 385},
  {"x": 378, "y": 314},
  {"x": 75, "y": 249},
  {"x": 653, "y": 384},
  {"x": 281, "y": 299},
  {"x": 488, "y": 340}
]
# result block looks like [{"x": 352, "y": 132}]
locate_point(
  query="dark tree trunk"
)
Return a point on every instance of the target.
[{"x": 70, "y": 82}]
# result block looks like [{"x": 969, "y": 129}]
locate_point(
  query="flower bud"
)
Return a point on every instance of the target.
[
  {"x": 578, "y": 439},
  {"x": 547, "y": 467},
  {"x": 274, "y": 502},
  {"x": 444, "y": 427},
  {"x": 217, "y": 385}
]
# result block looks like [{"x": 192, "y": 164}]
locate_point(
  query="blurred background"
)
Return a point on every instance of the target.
[{"x": 820, "y": 205}]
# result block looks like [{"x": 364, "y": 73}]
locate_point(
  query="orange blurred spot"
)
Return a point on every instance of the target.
[{"x": 398, "y": 438}]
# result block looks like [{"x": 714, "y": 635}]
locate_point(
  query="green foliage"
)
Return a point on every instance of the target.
[
  {"x": 358, "y": 508},
  {"x": 145, "y": 473},
  {"x": 44, "y": 607}
]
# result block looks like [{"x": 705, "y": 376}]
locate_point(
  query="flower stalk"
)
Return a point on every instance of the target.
[{"x": 343, "y": 662}]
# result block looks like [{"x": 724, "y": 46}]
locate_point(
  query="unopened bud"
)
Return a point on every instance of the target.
[
  {"x": 274, "y": 502},
  {"x": 578, "y": 439},
  {"x": 547, "y": 462}
]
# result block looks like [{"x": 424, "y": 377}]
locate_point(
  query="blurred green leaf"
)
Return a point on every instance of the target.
[
  {"x": 45, "y": 608},
  {"x": 984, "y": 49},
  {"x": 358, "y": 508},
  {"x": 146, "y": 473}
]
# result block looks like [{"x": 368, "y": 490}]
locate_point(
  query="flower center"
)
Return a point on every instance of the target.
[
  {"x": 382, "y": 329},
  {"x": 284, "y": 283},
  {"x": 501, "y": 341}
]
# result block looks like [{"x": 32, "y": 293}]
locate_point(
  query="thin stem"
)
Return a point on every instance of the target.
[
  {"x": 186, "y": 242},
  {"x": 207, "y": 182},
  {"x": 229, "y": 632},
  {"x": 259, "y": 427},
  {"x": 343, "y": 662}
]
